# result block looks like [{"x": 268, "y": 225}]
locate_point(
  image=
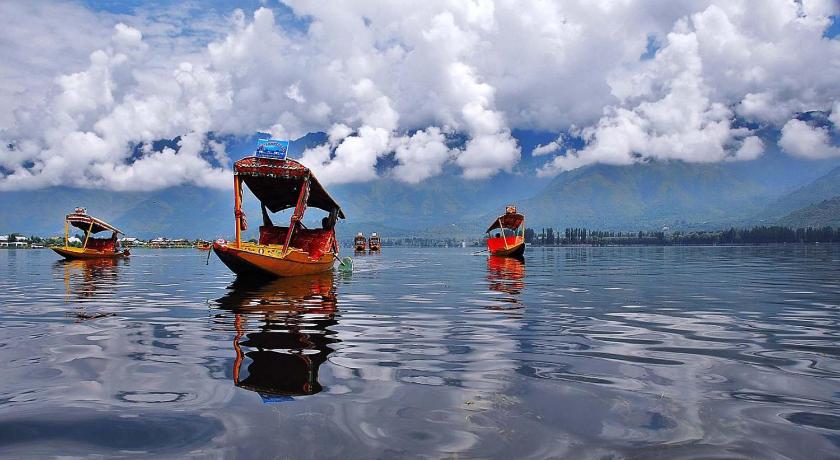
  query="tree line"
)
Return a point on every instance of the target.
[{"x": 754, "y": 235}]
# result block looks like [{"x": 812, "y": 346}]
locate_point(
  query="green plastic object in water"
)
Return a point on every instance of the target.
[{"x": 346, "y": 265}]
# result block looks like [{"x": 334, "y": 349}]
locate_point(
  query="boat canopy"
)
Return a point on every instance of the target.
[
  {"x": 277, "y": 184},
  {"x": 511, "y": 220},
  {"x": 81, "y": 220}
]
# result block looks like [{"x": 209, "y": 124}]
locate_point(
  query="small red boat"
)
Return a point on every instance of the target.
[
  {"x": 374, "y": 242},
  {"x": 360, "y": 242},
  {"x": 506, "y": 235}
]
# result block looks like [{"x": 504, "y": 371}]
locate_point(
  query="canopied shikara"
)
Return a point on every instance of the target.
[
  {"x": 374, "y": 242},
  {"x": 280, "y": 183},
  {"x": 360, "y": 242},
  {"x": 92, "y": 248},
  {"x": 506, "y": 235}
]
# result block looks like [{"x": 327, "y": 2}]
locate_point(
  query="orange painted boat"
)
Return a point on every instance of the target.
[
  {"x": 374, "y": 242},
  {"x": 204, "y": 245},
  {"x": 360, "y": 242},
  {"x": 508, "y": 240},
  {"x": 280, "y": 183},
  {"x": 92, "y": 248}
]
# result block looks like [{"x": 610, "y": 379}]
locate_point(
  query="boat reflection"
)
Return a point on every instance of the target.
[
  {"x": 86, "y": 279},
  {"x": 83, "y": 277},
  {"x": 507, "y": 276},
  {"x": 282, "y": 334}
]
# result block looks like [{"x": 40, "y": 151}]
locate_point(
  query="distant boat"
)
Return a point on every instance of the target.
[
  {"x": 360, "y": 242},
  {"x": 204, "y": 245},
  {"x": 374, "y": 243},
  {"x": 506, "y": 235},
  {"x": 92, "y": 248},
  {"x": 280, "y": 183}
]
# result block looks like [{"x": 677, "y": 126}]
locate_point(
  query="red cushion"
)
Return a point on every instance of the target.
[
  {"x": 273, "y": 235},
  {"x": 102, "y": 244},
  {"x": 316, "y": 242}
]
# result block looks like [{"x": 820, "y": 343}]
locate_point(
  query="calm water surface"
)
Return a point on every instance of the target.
[{"x": 580, "y": 353}]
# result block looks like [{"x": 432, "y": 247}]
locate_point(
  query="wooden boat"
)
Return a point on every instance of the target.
[
  {"x": 280, "y": 183},
  {"x": 360, "y": 242},
  {"x": 374, "y": 243},
  {"x": 509, "y": 239},
  {"x": 204, "y": 245},
  {"x": 92, "y": 248}
]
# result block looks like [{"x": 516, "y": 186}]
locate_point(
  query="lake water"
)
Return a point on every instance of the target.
[{"x": 677, "y": 352}]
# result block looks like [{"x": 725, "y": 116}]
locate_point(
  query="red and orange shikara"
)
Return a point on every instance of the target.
[
  {"x": 92, "y": 248},
  {"x": 360, "y": 242},
  {"x": 280, "y": 183},
  {"x": 506, "y": 235},
  {"x": 374, "y": 242}
]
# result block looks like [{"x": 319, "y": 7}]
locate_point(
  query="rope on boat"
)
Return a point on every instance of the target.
[{"x": 208, "y": 256}]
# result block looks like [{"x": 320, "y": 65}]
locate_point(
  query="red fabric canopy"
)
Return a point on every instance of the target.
[{"x": 508, "y": 220}]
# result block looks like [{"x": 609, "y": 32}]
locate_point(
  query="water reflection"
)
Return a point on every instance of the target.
[
  {"x": 83, "y": 278},
  {"x": 507, "y": 276},
  {"x": 282, "y": 334}
]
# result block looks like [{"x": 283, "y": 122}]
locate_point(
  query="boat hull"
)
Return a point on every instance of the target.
[
  {"x": 79, "y": 253},
  {"x": 267, "y": 261},
  {"x": 517, "y": 250}
]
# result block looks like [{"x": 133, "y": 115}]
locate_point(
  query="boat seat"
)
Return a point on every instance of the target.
[
  {"x": 270, "y": 234},
  {"x": 102, "y": 244},
  {"x": 315, "y": 242}
]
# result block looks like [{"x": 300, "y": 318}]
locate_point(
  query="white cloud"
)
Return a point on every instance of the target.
[
  {"x": 421, "y": 156},
  {"x": 679, "y": 105},
  {"x": 551, "y": 147},
  {"x": 78, "y": 89},
  {"x": 800, "y": 139}
]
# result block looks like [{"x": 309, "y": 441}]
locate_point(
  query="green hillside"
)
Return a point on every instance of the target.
[
  {"x": 824, "y": 188},
  {"x": 824, "y": 213}
]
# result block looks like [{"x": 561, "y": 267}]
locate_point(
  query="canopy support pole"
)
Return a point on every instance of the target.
[
  {"x": 66, "y": 233},
  {"x": 87, "y": 234},
  {"x": 237, "y": 209},
  {"x": 502, "y": 229},
  {"x": 297, "y": 215}
]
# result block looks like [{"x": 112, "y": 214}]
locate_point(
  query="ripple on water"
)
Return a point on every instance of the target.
[{"x": 577, "y": 352}]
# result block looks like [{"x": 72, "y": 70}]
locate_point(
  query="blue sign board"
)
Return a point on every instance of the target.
[{"x": 272, "y": 148}]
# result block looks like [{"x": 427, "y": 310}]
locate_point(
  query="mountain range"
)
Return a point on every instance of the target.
[{"x": 775, "y": 188}]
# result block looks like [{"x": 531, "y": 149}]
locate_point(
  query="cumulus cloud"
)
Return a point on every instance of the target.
[
  {"x": 83, "y": 107},
  {"x": 724, "y": 61},
  {"x": 800, "y": 139},
  {"x": 551, "y": 147}
]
